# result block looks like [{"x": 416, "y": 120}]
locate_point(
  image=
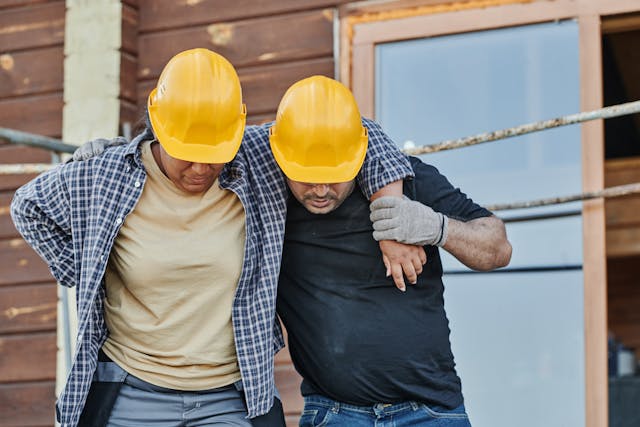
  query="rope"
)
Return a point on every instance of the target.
[
  {"x": 618, "y": 191},
  {"x": 603, "y": 113}
]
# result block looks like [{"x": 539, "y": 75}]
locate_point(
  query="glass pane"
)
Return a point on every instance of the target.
[
  {"x": 517, "y": 337},
  {"x": 519, "y": 354}
]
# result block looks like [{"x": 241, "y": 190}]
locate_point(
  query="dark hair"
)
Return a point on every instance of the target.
[{"x": 143, "y": 123}]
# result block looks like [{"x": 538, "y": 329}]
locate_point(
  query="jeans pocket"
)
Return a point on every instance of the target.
[
  {"x": 316, "y": 416},
  {"x": 458, "y": 413}
]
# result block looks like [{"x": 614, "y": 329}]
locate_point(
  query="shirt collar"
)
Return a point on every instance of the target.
[{"x": 132, "y": 152}]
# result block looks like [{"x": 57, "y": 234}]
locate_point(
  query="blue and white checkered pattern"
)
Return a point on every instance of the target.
[{"x": 72, "y": 214}]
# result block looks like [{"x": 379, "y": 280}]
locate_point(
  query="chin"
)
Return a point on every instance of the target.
[{"x": 320, "y": 211}]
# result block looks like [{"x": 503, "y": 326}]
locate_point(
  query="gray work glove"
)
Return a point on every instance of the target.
[
  {"x": 95, "y": 147},
  {"x": 407, "y": 221}
]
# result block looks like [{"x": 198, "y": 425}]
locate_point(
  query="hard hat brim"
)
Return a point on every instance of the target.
[
  {"x": 295, "y": 171},
  {"x": 222, "y": 152}
]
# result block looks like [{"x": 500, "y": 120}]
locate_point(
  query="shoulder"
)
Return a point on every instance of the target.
[
  {"x": 421, "y": 168},
  {"x": 255, "y": 143},
  {"x": 112, "y": 161},
  {"x": 257, "y": 133},
  {"x": 372, "y": 127}
]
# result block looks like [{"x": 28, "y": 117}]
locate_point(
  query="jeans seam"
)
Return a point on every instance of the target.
[{"x": 437, "y": 414}]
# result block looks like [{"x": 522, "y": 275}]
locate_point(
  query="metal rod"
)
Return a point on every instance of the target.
[
  {"x": 25, "y": 168},
  {"x": 603, "y": 113},
  {"x": 32, "y": 140},
  {"x": 618, "y": 191}
]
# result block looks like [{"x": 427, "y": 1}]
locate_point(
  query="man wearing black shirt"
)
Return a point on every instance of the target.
[{"x": 369, "y": 354}]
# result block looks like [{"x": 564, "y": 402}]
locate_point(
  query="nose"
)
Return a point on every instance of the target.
[
  {"x": 321, "y": 190},
  {"x": 201, "y": 168}
]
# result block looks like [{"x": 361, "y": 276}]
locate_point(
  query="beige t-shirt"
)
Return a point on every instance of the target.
[{"x": 170, "y": 283}]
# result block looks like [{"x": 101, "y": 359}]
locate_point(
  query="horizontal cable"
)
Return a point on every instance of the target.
[
  {"x": 603, "y": 113},
  {"x": 530, "y": 269},
  {"x": 617, "y": 191}
]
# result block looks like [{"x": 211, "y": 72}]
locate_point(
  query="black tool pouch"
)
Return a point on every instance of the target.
[{"x": 103, "y": 393}]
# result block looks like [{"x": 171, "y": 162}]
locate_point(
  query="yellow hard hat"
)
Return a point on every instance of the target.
[
  {"x": 196, "y": 110},
  {"x": 318, "y": 135}
]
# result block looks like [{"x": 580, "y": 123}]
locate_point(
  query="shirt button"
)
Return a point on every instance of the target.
[
  {"x": 118, "y": 220},
  {"x": 136, "y": 184},
  {"x": 101, "y": 257}
]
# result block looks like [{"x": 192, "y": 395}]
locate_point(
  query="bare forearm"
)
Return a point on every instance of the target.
[
  {"x": 392, "y": 189},
  {"x": 480, "y": 244}
]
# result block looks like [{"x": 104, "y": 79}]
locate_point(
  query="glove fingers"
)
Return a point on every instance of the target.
[
  {"x": 384, "y": 235},
  {"x": 385, "y": 202},
  {"x": 385, "y": 224},
  {"x": 380, "y": 214}
]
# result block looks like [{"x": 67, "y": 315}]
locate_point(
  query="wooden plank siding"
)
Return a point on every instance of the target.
[
  {"x": 270, "y": 52},
  {"x": 623, "y": 296},
  {"x": 129, "y": 111},
  {"x": 21, "y": 404},
  {"x": 623, "y": 223},
  {"x": 31, "y": 99}
]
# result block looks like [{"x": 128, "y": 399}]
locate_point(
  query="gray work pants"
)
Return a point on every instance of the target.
[{"x": 140, "y": 403}]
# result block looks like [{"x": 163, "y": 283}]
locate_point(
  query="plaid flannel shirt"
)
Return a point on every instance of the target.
[{"x": 72, "y": 214}]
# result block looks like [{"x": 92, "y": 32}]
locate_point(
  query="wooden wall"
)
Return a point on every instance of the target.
[
  {"x": 623, "y": 253},
  {"x": 271, "y": 43},
  {"x": 31, "y": 77}
]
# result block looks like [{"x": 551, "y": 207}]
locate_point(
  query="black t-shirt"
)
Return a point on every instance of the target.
[{"x": 353, "y": 336}]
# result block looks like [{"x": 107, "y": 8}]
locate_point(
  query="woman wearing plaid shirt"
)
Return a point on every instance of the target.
[{"x": 173, "y": 242}]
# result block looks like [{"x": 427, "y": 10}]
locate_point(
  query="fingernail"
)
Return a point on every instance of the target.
[
  {"x": 403, "y": 289},
  {"x": 413, "y": 283},
  {"x": 388, "y": 273}
]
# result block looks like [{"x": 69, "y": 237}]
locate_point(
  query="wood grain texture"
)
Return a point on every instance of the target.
[
  {"x": 34, "y": 26},
  {"x": 23, "y": 154},
  {"x": 244, "y": 43},
  {"x": 28, "y": 308},
  {"x": 31, "y": 72},
  {"x": 623, "y": 296},
  {"x": 623, "y": 222},
  {"x": 40, "y": 114},
  {"x": 27, "y": 404},
  {"x": 11, "y": 182},
  {"x": 29, "y": 357},
  {"x": 162, "y": 14},
  {"x": 128, "y": 79},
  {"x": 7, "y": 229},
  {"x": 129, "y": 29},
  {"x": 20, "y": 264}
]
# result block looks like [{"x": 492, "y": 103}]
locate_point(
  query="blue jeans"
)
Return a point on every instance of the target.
[{"x": 320, "y": 411}]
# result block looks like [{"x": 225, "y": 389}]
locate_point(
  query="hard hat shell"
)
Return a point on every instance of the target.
[
  {"x": 196, "y": 109},
  {"x": 318, "y": 136}
]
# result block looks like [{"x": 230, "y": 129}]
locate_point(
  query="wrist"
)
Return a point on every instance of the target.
[{"x": 444, "y": 230}]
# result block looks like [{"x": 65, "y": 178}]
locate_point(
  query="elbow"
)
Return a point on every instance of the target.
[
  {"x": 503, "y": 254},
  {"x": 498, "y": 258}
]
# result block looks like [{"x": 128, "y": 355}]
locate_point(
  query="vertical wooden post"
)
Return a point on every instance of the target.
[{"x": 594, "y": 242}]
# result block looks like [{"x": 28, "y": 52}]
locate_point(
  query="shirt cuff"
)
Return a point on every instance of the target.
[{"x": 381, "y": 171}]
